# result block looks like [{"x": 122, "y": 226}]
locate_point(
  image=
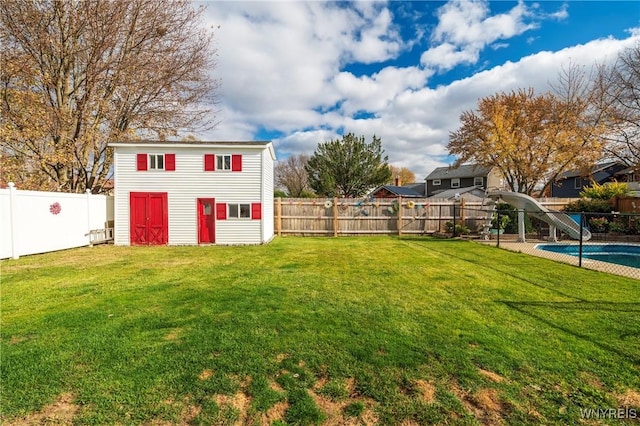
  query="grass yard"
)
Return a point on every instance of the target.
[{"x": 409, "y": 331}]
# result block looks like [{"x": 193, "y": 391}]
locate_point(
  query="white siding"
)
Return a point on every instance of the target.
[
  {"x": 188, "y": 183},
  {"x": 267, "y": 195}
]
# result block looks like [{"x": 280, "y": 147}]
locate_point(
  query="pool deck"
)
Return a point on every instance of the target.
[{"x": 529, "y": 248}]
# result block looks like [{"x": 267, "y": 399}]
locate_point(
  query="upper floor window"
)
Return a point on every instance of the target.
[
  {"x": 155, "y": 162},
  {"x": 455, "y": 183},
  {"x": 223, "y": 162},
  {"x": 437, "y": 182},
  {"x": 478, "y": 181},
  {"x": 229, "y": 162}
]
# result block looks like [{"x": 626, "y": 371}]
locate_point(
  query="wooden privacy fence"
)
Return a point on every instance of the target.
[
  {"x": 390, "y": 216},
  {"x": 627, "y": 204},
  {"x": 345, "y": 216}
]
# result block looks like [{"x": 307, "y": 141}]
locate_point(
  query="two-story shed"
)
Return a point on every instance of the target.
[{"x": 182, "y": 193}]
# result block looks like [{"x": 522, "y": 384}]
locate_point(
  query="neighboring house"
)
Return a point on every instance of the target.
[
  {"x": 470, "y": 193},
  {"x": 409, "y": 190},
  {"x": 569, "y": 184},
  {"x": 182, "y": 193},
  {"x": 394, "y": 191},
  {"x": 464, "y": 176}
]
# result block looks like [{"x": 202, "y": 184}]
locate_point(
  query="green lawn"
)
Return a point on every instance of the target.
[{"x": 311, "y": 330}]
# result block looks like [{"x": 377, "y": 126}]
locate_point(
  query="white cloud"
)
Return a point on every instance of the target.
[
  {"x": 374, "y": 93},
  {"x": 282, "y": 66},
  {"x": 465, "y": 28},
  {"x": 415, "y": 124},
  {"x": 448, "y": 55},
  {"x": 560, "y": 14},
  {"x": 276, "y": 58}
]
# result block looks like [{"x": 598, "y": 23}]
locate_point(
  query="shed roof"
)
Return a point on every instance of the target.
[
  {"x": 186, "y": 143},
  {"x": 462, "y": 171},
  {"x": 213, "y": 144}
]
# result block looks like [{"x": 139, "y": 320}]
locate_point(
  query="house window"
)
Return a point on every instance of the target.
[
  {"x": 577, "y": 183},
  {"x": 478, "y": 181},
  {"x": 239, "y": 211},
  {"x": 437, "y": 182},
  {"x": 156, "y": 161},
  {"x": 223, "y": 162},
  {"x": 455, "y": 183}
]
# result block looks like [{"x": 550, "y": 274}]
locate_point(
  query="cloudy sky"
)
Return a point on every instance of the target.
[{"x": 303, "y": 72}]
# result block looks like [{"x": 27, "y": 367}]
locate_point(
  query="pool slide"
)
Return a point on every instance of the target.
[{"x": 555, "y": 218}]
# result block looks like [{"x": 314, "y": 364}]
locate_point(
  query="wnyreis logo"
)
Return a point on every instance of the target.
[{"x": 609, "y": 413}]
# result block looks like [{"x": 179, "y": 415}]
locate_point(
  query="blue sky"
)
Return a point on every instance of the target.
[{"x": 304, "y": 72}]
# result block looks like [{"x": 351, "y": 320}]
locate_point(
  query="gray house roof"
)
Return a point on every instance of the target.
[
  {"x": 463, "y": 171},
  {"x": 595, "y": 169},
  {"x": 419, "y": 187},
  {"x": 401, "y": 191}
]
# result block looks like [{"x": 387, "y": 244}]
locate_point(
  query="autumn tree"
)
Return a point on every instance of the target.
[
  {"x": 616, "y": 90},
  {"x": 348, "y": 167},
  {"x": 403, "y": 173},
  {"x": 76, "y": 75},
  {"x": 530, "y": 138},
  {"x": 291, "y": 175}
]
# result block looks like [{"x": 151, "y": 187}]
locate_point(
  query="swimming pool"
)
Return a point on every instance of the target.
[{"x": 621, "y": 254}]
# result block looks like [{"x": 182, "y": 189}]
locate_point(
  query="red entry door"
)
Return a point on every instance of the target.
[
  {"x": 206, "y": 220},
  {"x": 149, "y": 219}
]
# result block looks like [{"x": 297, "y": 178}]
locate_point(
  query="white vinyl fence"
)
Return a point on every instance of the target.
[{"x": 39, "y": 222}]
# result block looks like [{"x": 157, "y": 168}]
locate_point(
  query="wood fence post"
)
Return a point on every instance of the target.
[
  {"x": 335, "y": 216},
  {"x": 399, "y": 215},
  {"x": 279, "y": 216}
]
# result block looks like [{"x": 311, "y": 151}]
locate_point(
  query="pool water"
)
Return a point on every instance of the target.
[{"x": 621, "y": 254}]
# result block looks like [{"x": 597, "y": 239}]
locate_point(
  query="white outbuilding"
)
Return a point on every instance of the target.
[{"x": 186, "y": 193}]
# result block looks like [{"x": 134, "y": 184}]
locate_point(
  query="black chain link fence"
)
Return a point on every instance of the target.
[{"x": 608, "y": 242}]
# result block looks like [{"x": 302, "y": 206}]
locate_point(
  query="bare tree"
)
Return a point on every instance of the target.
[
  {"x": 292, "y": 175},
  {"x": 617, "y": 91},
  {"x": 76, "y": 75}
]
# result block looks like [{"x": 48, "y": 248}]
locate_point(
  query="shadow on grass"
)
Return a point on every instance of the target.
[
  {"x": 545, "y": 315},
  {"x": 511, "y": 272}
]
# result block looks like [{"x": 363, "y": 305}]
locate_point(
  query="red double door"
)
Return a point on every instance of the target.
[{"x": 149, "y": 218}]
